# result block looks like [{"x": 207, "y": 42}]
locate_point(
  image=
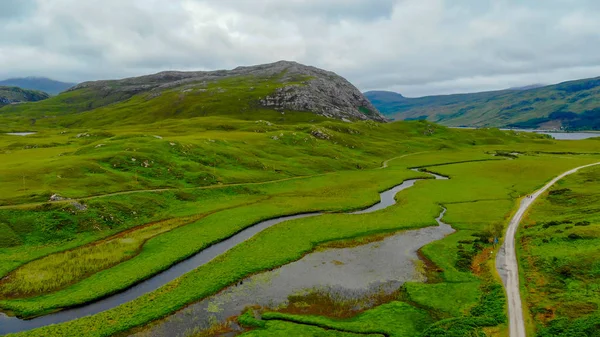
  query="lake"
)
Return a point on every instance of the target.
[
  {"x": 569, "y": 135},
  {"x": 558, "y": 135},
  {"x": 20, "y": 133}
]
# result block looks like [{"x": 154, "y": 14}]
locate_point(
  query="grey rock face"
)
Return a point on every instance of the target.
[
  {"x": 332, "y": 97},
  {"x": 319, "y": 91}
]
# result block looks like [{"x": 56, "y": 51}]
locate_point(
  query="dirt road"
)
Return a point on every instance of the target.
[{"x": 506, "y": 261}]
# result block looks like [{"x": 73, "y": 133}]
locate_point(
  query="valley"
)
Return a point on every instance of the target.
[{"x": 276, "y": 200}]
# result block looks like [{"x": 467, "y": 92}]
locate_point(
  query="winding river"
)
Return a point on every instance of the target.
[
  {"x": 406, "y": 241},
  {"x": 356, "y": 275}
]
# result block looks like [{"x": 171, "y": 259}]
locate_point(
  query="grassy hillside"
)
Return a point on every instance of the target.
[
  {"x": 570, "y": 105},
  {"x": 89, "y": 107},
  {"x": 278, "y": 92},
  {"x": 38, "y": 83},
  {"x": 10, "y": 95}
]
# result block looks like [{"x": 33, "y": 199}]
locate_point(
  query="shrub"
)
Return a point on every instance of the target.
[
  {"x": 248, "y": 320},
  {"x": 559, "y": 191},
  {"x": 8, "y": 238},
  {"x": 583, "y": 223},
  {"x": 588, "y": 326},
  {"x": 185, "y": 196}
]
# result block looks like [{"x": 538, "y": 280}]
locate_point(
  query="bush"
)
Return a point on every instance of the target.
[
  {"x": 465, "y": 258},
  {"x": 488, "y": 312},
  {"x": 588, "y": 326},
  {"x": 185, "y": 196},
  {"x": 8, "y": 238},
  {"x": 552, "y": 223},
  {"x": 559, "y": 191},
  {"x": 583, "y": 223}
]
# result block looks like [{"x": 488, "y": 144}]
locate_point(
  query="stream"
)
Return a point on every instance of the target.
[
  {"x": 388, "y": 266},
  {"x": 355, "y": 274}
]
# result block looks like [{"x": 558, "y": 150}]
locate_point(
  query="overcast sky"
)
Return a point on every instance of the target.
[{"x": 416, "y": 47}]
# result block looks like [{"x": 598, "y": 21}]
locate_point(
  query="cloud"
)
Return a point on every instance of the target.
[
  {"x": 417, "y": 47},
  {"x": 13, "y": 10}
]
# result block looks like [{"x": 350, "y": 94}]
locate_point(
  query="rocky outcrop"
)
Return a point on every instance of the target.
[
  {"x": 310, "y": 89},
  {"x": 324, "y": 93}
]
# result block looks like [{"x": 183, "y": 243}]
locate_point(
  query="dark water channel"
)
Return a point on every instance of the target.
[
  {"x": 362, "y": 270},
  {"x": 346, "y": 274}
]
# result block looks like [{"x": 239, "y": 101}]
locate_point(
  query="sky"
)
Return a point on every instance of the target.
[{"x": 415, "y": 47}]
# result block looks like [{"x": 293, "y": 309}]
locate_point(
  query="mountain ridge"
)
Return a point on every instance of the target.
[
  {"x": 570, "y": 105},
  {"x": 44, "y": 84}
]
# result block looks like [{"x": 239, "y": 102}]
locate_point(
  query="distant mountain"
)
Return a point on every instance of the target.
[
  {"x": 276, "y": 91},
  {"x": 528, "y": 87},
  {"x": 573, "y": 105},
  {"x": 387, "y": 101},
  {"x": 10, "y": 95},
  {"x": 393, "y": 105},
  {"x": 38, "y": 83}
]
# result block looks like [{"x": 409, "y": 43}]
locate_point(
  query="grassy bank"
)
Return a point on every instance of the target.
[
  {"x": 164, "y": 250},
  {"x": 395, "y": 319}
]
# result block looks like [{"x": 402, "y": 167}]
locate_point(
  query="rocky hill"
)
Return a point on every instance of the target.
[
  {"x": 11, "y": 95},
  {"x": 281, "y": 86},
  {"x": 573, "y": 105}
]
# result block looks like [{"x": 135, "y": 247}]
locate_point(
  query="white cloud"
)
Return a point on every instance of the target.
[{"x": 415, "y": 46}]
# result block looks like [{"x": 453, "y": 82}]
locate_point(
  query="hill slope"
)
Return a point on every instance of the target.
[
  {"x": 573, "y": 105},
  {"x": 38, "y": 83},
  {"x": 9, "y": 95},
  {"x": 277, "y": 91}
]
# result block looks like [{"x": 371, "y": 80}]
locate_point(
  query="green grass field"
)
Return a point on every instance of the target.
[
  {"x": 56, "y": 271},
  {"x": 559, "y": 250},
  {"x": 502, "y": 180}
]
